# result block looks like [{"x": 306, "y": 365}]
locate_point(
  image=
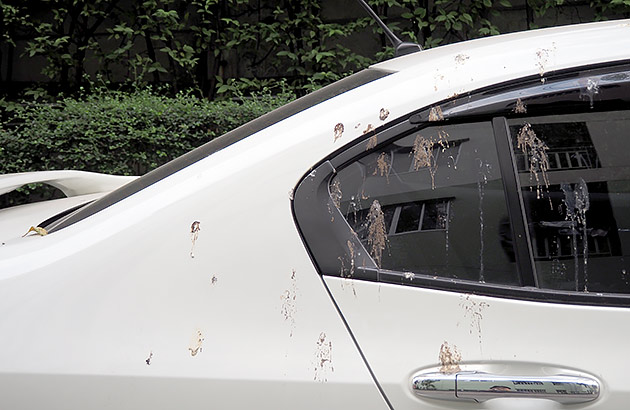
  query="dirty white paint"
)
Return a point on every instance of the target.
[
  {"x": 323, "y": 359},
  {"x": 194, "y": 235},
  {"x": 196, "y": 343},
  {"x": 473, "y": 312},
  {"x": 338, "y": 131},
  {"x": 461, "y": 58},
  {"x": 544, "y": 58},
  {"x": 288, "y": 309},
  {"x": 148, "y": 359},
  {"x": 38, "y": 230},
  {"x": 449, "y": 358}
]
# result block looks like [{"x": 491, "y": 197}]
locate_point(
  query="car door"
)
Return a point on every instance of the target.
[{"x": 479, "y": 249}]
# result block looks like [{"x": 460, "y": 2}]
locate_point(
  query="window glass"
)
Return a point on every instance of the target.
[
  {"x": 575, "y": 180},
  {"x": 432, "y": 203}
]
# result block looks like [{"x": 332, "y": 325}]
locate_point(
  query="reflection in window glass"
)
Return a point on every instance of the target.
[
  {"x": 409, "y": 217},
  {"x": 575, "y": 180},
  {"x": 570, "y": 148},
  {"x": 435, "y": 215},
  {"x": 441, "y": 195}
]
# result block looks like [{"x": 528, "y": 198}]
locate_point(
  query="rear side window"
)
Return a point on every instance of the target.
[
  {"x": 519, "y": 191},
  {"x": 574, "y": 175},
  {"x": 432, "y": 203}
]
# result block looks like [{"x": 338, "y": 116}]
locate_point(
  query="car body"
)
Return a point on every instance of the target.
[{"x": 446, "y": 229}]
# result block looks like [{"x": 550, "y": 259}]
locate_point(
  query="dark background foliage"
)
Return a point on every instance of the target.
[
  {"x": 217, "y": 47},
  {"x": 123, "y": 86}
]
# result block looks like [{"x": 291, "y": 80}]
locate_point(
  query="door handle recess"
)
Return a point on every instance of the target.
[{"x": 478, "y": 386}]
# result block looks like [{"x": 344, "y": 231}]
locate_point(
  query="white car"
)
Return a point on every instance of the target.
[{"x": 449, "y": 229}]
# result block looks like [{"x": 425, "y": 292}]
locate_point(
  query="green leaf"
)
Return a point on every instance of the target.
[{"x": 466, "y": 18}]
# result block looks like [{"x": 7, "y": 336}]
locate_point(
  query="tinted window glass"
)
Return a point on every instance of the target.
[
  {"x": 432, "y": 203},
  {"x": 575, "y": 180}
]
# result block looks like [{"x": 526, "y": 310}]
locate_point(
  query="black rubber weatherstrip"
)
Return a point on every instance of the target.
[
  {"x": 514, "y": 199},
  {"x": 238, "y": 134}
]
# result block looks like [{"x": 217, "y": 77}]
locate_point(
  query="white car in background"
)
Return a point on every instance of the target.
[{"x": 448, "y": 229}]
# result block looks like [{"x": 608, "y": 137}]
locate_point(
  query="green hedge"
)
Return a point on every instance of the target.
[
  {"x": 116, "y": 132},
  {"x": 200, "y": 42}
]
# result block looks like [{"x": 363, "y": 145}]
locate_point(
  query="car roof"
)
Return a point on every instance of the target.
[{"x": 533, "y": 51}]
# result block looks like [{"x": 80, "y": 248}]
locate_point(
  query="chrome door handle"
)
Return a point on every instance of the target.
[{"x": 478, "y": 386}]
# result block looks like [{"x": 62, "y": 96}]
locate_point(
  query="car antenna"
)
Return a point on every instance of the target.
[{"x": 400, "y": 47}]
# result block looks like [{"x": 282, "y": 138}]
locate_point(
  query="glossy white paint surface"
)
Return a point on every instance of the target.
[
  {"x": 71, "y": 183},
  {"x": 16, "y": 221},
  {"x": 83, "y": 309},
  {"x": 78, "y": 186},
  {"x": 93, "y": 301},
  {"x": 401, "y": 329}
]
